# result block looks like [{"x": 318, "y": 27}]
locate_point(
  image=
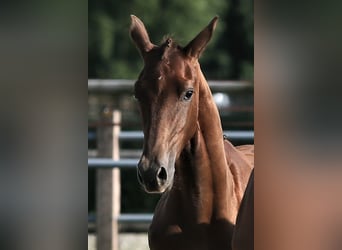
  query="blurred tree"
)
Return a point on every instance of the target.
[{"x": 229, "y": 55}]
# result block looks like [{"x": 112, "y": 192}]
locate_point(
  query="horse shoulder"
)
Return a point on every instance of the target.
[
  {"x": 241, "y": 162},
  {"x": 247, "y": 152}
]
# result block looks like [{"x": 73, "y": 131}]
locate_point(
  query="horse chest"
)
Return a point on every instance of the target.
[
  {"x": 198, "y": 237},
  {"x": 174, "y": 228},
  {"x": 171, "y": 237}
]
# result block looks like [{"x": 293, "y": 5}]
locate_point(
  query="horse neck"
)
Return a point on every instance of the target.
[
  {"x": 209, "y": 120},
  {"x": 211, "y": 130},
  {"x": 212, "y": 183}
]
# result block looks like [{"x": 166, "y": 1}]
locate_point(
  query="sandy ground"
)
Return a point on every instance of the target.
[{"x": 127, "y": 241}]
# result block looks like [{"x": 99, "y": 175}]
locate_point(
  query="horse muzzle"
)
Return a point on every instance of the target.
[{"x": 153, "y": 177}]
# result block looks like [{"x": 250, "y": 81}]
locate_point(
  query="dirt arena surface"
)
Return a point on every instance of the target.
[{"x": 127, "y": 241}]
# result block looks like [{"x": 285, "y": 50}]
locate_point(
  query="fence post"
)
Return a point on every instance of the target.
[{"x": 108, "y": 183}]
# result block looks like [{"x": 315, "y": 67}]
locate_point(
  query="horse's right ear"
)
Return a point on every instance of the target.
[{"x": 140, "y": 36}]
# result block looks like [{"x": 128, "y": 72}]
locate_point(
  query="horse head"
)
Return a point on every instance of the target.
[{"x": 167, "y": 91}]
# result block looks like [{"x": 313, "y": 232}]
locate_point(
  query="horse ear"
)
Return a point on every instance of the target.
[
  {"x": 140, "y": 36},
  {"x": 198, "y": 44}
]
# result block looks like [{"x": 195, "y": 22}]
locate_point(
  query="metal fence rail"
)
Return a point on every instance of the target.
[
  {"x": 232, "y": 135},
  {"x": 110, "y": 163},
  {"x": 138, "y": 135},
  {"x": 135, "y": 218},
  {"x": 107, "y": 86},
  {"x": 126, "y": 218}
]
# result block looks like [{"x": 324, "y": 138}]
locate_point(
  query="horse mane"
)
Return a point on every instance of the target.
[
  {"x": 168, "y": 45},
  {"x": 166, "y": 38}
]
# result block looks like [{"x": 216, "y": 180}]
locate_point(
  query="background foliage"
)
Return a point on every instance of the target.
[{"x": 229, "y": 55}]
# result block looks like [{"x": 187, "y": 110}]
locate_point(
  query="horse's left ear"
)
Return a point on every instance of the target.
[{"x": 198, "y": 44}]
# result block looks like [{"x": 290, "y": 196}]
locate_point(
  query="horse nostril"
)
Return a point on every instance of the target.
[{"x": 162, "y": 175}]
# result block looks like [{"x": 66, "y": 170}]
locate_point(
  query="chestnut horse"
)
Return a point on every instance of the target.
[{"x": 201, "y": 175}]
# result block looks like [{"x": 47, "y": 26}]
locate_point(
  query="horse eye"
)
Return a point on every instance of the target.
[
  {"x": 135, "y": 97},
  {"x": 188, "y": 95}
]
